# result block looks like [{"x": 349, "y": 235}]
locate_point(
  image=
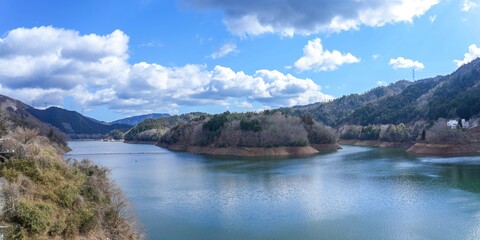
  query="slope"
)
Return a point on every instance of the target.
[
  {"x": 333, "y": 112},
  {"x": 73, "y": 123},
  {"x": 15, "y": 113},
  {"x": 453, "y": 96}
]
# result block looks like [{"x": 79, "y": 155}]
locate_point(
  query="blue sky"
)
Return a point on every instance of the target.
[{"x": 121, "y": 58}]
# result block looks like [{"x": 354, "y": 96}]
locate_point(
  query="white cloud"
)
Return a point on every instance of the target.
[
  {"x": 224, "y": 50},
  {"x": 244, "y": 104},
  {"x": 432, "y": 18},
  {"x": 472, "y": 54},
  {"x": 290, "y": 17},
  {"x": 375, "y": 56},
  {"x": 401, "y": 62},
  {"x": 48, "y": 64},
  {"x": 468, "y": 5},
  {"x": 381, "y": 83},
  {"x": 318, "y": 59},
  {"x": 59, "y": 58}
]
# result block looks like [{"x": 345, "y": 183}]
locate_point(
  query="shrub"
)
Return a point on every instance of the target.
[
  {"x": 35, "y": 217},
  {"x": 46, "y": 197},
  {"x": 441, "y": 133}
]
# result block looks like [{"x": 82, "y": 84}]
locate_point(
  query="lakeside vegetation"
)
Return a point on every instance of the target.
[
  {"x": 266, "y": 129},
  {"x": 46, "y": 197}
]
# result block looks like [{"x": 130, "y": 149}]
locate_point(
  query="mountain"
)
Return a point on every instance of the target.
[
  {"x": 138, "y": 119},
  {"x": 333, "y": 112},
  {"x": 456, "y": 95},
  {"x": 16, "y": 114},
  {"x": 151, "y": 130},
  {"x": 73, "y": 123}
]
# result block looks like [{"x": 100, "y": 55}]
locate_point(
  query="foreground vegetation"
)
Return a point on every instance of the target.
[
  {"x": 46, "y": 197},
  {"x": 266, "y": 129}
]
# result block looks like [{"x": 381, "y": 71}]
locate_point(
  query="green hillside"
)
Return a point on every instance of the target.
[
  {"x": 453, "y": 96},
  {"x": 333, "y": 112},
  {"x": 74, "y": 123}
]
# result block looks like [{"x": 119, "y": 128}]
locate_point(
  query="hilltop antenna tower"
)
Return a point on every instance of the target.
[{"x": 413, "y": 75}]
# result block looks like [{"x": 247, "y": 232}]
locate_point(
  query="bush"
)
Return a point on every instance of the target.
[
  {"x": 36, "y": 218},
  {"x": 441, "y": 133},
  {"x": 46, "y": 197}
]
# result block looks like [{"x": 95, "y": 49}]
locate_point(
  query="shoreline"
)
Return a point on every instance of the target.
[
  {"x": 374, "y": 143},
  {"x": 253, "y": 151},
  {"x": 140, "y": 142},
  {"x": 445, "y": 149}
]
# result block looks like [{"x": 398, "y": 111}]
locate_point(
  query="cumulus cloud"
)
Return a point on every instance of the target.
[
  {"x": 224, "y": 50},
  {"x": 48, "y": 64},
  {"x": 472, "y": 54},
  {"x": 468, "y": 5},
  {"x": 47, "y": 57},
  {"x": 401, "y": 62},
  {"x": 318, "y": 59},
  {"x": 289, "y": 17}
]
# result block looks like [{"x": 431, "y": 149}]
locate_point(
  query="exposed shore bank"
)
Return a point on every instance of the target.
[
  {"x": 140, "y": 142},
  {"x": 374, "y": 143},
  {"x": 254, "y": 151},
  {"x": 445, "y": 149}
]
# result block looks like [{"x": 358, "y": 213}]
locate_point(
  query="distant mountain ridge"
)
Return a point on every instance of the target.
[
  {"x": 456, "y": 95},
  {"x": 74, "y": 123},
  {"x": 333, "y": 112},
  {"x": 138, "y": 119},
  {"x": 17, "y": 114}
]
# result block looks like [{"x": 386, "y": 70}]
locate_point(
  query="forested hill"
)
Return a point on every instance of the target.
[
  {"x": 333, "y": 112},
  {"x": 151, "y": 130},
  {"x": 453, "y": 96},
  {"x": 265, "y": 129},
  {"x": 71, "y": 122},
  {"x": 13, "y": 114}
]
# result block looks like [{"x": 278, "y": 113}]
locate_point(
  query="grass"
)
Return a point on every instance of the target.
[{"x": 47, "y": 197}]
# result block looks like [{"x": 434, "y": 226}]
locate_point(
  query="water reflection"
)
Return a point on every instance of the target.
[{"x": 361, "y": 193}]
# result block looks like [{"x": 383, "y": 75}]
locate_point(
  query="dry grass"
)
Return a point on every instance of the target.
[{"x": 49, "y": 198}]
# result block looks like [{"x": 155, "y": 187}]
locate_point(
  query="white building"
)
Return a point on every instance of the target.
[{"x": 452, "y": 123}]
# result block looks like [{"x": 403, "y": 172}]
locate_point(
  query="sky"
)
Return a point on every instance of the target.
[{"x": 117, "y": 58}]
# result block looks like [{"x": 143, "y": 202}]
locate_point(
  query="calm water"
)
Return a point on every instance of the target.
[{"x": 355, "y": 193}]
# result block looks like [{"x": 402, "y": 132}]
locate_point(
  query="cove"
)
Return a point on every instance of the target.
[{"x": 354, "y": 193}]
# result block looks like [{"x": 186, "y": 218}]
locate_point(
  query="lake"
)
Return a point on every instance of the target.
[{"x": 354, "y": 193}]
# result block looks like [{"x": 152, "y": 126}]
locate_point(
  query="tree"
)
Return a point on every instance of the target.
[
  {"x": 3, "y": 126},
  {"x": 116, "y": 134}
]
